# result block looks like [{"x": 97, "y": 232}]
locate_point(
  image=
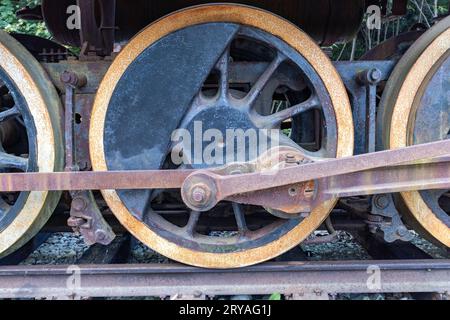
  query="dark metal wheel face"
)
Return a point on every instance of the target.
[
  {"x": 17, "y": 145},
  {"x": 431, "y": 122},
  {"x": 224, "y": 76},
  {"x": 415, "y": 109}
]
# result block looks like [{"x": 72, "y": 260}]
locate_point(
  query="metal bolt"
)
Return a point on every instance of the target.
[
  {"x": 370, "y": 77},
  {"x": 79, "y": 204},
  {"x": 381, "y": 202},
  {"x": 73, "y": 79},
  {"x": 375, "y": 75},
  {"x": 290, "y": 158},
  {"x": 100, "y": 235},
  {"x": 199, "y": 195}
]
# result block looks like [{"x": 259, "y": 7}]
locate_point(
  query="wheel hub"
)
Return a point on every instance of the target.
[{"x": 224, "y": 130}]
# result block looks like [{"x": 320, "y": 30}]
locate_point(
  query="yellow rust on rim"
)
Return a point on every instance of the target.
[
  {"x": 46, "y": 154},
  {"x": 401, "y": 123},
  {"x": 228, "y": 14}
]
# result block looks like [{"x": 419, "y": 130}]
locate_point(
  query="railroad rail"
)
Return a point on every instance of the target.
[
  {"x": 312, "y": 280},
  {"x": 102, "y": 272}
]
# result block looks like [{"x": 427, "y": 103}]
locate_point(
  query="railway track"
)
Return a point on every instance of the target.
[
  {"x": 106, "y": 272},
  {"x": 295, "y": 280}
]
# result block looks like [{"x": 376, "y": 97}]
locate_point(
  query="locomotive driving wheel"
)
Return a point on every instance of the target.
[
  {"x": 224, "y": 67},
  {"x": 30, "y": 141},
  {"x": 415, "y": 109}
]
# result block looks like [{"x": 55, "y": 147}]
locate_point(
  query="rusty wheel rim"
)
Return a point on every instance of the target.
[
  {"x": 244, "y": 16},
  {"x": 400, "y": 113},
  {"x": 39, "y": 97}
]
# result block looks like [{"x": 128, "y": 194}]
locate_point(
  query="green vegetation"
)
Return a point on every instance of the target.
[
  {"x": 275, "y": 297},
  {"x": 10, "y": 23},
  {"x": 420, "y": 12}
]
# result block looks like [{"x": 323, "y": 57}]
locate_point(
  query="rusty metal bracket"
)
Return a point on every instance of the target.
[
  {"x": 85, "y": 216},
  {"x": 87, "y": 220},
  {"x": 361, "y": 79},
  {"x": 391, "y": 224},
  {"x": 370, "y": 78}
]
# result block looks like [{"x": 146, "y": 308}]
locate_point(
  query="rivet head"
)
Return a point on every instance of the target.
[
  {"x": 381, "y": 202},
  {"x": 79, "y": 204},
  {"x": 100, "y": 235},
  {"x": 198, "y": 195}
]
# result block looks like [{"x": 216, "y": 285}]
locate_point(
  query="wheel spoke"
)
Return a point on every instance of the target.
[
  {"x": 276, "y": 119},
  {"x": 260, "y": 84},
  {"x": 240, "y": 218},
  {"x": 8, "y": 114},
  {"x": 223, "y": 67},
  {"x": 192, "y": 223},
  {"x": 8, "y": 161}
]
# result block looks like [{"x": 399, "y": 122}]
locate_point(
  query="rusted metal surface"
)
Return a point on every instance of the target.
[
  {"x": 393, "y": 48},
  {"x": 71, "y": 81},
  {"x": 94, "y": 71},
  {"x": 88, "y": 180},
  {"x": 87, "y": 220},
  {"x": 317, "y": 278},
  {"x": 83, "y": 99},
  {"x": 232, "y": 185},
  {"x": 432, "y": 176},
  {"x": 85, "y": 217},
  {"x": 415, "y": 167},
  {"x": 390, "y": 224}
]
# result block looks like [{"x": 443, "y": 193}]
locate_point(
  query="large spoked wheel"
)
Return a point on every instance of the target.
[
  {"x": 30, "y": 141},
  {"x": 224, "y": 67},
  {"x": 415, "y": 109}
]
